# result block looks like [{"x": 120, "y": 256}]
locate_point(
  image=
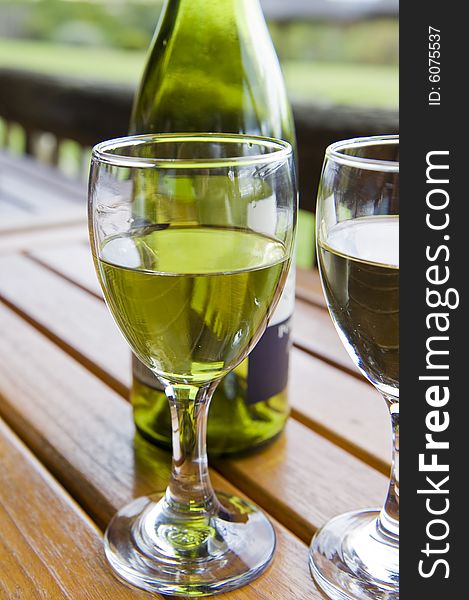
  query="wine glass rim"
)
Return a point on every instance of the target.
[
  {"x": 335, "y": 152},
  {"x": 108, "y": 151}
]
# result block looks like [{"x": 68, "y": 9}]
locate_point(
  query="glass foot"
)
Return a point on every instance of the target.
[
  {"x": 158, "y": 550},
  {"x": 351, "y": 558}
]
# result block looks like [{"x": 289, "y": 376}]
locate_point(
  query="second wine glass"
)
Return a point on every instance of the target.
[
  {"x": 191, "y": 287},
  {"x": 356, "y": 555}
]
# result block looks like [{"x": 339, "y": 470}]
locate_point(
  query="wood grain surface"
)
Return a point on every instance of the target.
[
  {"x": 20, "y": 241},
  {"x": 308, "y": 287},
  {"x": 73, "y": 262},
  {"x": 314, "y": 333},
  {"x": 76, "y": 321},
  {"x": 64, "y": 379},
  {"x": 295, "y": 456},
  {"x": 346, "y": 410},
  {"x": 83, "y": 432},
  {"x": 28, "y": 203},
  {"x": 49, "y": 548}
]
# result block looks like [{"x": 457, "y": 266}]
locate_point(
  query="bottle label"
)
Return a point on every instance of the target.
[
  {"x": 269, "y": 361},
  {"x": 268, "y": 364}
]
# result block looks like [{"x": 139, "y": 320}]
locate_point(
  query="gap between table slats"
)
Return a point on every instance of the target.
[{"x": 15, "y": 241}]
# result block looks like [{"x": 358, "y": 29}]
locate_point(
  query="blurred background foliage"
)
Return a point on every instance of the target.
[{"x": 339, "y": 62}]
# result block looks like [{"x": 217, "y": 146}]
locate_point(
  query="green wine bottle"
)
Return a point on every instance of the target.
[{"x": 213, "y": 68}]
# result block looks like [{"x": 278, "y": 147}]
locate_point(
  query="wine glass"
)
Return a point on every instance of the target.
[
  {"x": 356, "y": 555},
  {"x": 192, "y": 237}
]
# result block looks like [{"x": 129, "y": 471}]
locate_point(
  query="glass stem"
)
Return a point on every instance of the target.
[
  {"x": 388, "y": 522},
  {"x": 190, "y": 490}
]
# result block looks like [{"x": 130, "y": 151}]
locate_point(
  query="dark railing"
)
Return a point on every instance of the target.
[{"x": 52, "y": 110}]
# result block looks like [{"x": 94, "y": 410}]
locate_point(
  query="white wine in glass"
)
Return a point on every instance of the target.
[
  {"x": 360, "y": 272},
  {"x": 190, "y": 300}
]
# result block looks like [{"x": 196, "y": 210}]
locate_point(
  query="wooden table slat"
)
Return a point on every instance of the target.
[
  {"x": 336, "y": 481},
  {"x": 72, "y": 261},
  {"x": 45, "y": 200},
  {"x": 314, "y": 333},
  {"x": 10, "y": 207},
  {"x": 19, "y": 241},
  {"x": 76, "y": 321},
  {"x": 308, "y": 287},
  {"x": 349, "y": 412},
  {"x": 44, "y": 176},
  {"x": 36, "y": 199},
  {"x": 27, "y": 222},
  {"x": 48, "y": 548},
  {"x": 82, "y": 431}
]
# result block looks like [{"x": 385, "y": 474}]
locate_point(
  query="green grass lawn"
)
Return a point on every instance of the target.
[
  {"x": 103, "y": 63},
  {"x": 341, "y": 83}
]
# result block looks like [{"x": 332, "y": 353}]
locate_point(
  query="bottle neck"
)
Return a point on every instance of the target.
[
  {"x": 212, "y": 5},
  {"x": 218, "y": 13},
  {"x": 213, "y": 67}
]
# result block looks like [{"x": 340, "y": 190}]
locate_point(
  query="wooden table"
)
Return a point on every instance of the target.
[{"x": 68, "y": 456}]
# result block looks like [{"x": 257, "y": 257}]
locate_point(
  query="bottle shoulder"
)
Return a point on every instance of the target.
[{"x": 213, "y": 76}]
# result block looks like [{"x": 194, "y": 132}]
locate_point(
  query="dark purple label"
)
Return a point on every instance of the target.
[{"x": 268, "y": 364}]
